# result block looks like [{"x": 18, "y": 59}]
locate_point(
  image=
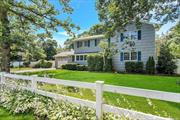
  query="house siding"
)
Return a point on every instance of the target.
[{"x": 146, "y": 46}]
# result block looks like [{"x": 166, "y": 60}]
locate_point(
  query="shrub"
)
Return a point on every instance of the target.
[
  {"x": 95, "y": 62},
  {"x": 166, "y": 65},
  {"x": 70, "y": 66},
  {"x": 108, "y": 66},
  {"x": 150, "y": 66},
  {"x": 26, "y": 63},
  {"x": 134, "y": 67},
  {"x": 81, "y": 67},
  {"x": 43, "y": 64}
]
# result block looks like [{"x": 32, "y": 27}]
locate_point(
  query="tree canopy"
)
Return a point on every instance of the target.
[
  {"x": 37, "y": 17},
  {"x": 116, "y": 14}
]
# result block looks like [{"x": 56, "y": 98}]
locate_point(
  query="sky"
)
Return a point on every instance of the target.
[{"x": 85, "y": 16}]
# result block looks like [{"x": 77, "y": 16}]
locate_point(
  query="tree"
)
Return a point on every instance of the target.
[
  {"x": 165, "y": 64},
  {"x": 96, "y": 29},
  {"x": 150, "y": 65},
  {"x": 29, "y": 16},
  {"x": 116, "y": 14},
  {"x": 108, "y": 51},
  {"x": 50, "y": 47}
]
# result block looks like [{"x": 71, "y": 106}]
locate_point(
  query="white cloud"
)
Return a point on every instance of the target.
[{"x": 63, "y": 33}]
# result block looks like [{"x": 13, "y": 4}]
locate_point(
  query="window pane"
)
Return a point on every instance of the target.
[
  {"x": 77, "y": 57},
  {"x": 81, "y": 57},
  {"x": 134, "y": 56},
  {"x": 126, "y": 56},
  {"x": 85, "y": 57},
  {"x": 86, "y": 43}
]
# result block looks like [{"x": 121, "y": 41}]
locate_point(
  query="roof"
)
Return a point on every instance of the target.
[
  {"x": 64, "y": 54},
  {"x": 88, "y": 38}
]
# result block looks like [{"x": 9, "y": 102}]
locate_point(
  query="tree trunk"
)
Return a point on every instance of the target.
[{"x": 5, "y": 40}]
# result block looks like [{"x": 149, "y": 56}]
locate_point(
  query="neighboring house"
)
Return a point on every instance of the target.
[{"x": 143, "y": 40}]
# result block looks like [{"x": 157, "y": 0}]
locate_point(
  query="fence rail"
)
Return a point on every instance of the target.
[{"x": 100, "y": 87}]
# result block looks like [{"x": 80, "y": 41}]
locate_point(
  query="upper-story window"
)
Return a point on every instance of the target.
[
  {"x": 130, "y": 35},
  {"x": 96, "y": 42},
  {"x": 79, "y": 44},
  {"x": 133, "y": 55},
  {"x": 87, "y": 43},
  {"x": 126, "y": 56}
]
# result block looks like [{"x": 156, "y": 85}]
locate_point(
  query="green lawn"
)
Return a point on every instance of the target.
[
  {"x": 156, "y": 107},
  {"x": 5, "y": 115},
  {"x": 18, "y": 69}
]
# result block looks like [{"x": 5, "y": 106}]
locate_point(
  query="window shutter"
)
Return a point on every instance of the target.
[
  {"x": 139, "y": 55},
  {"x": 88, "y": 43},
  {"x": 95, "y": 41},
  {"x": 122, "y": 37},
  {"x": 122, "y": 56},
  {"x": 139, "y": 34},
  {"x": 109, "y": 41}
]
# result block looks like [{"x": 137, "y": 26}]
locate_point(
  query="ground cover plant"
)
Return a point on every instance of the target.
[
  {"x": 156, "y": 107},
  {"x": 44, "y": 108}
]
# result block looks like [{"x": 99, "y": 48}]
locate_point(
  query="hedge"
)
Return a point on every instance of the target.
[
  {"x": 43, "y": 64},
  {"x": 70, "y": 66},
  {"x": 95, "y": 62},
  {"x": 134, "y": 67}
]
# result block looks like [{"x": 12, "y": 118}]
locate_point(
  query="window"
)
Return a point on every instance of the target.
[
  {"x": 79, "y": 44},
  {"x": 85, "y": 57},
  {"x": 126, "y": 56},
  {"x": 86, "y": 43},
  {"x": 77, "y": 58},
  {"x": 134, "y": 35},
  {"x": 133, "y": 55},
  {"x": 81, "y": 57}
]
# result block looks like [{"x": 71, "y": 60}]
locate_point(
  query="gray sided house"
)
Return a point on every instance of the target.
[{"x": 133, "y": 45}]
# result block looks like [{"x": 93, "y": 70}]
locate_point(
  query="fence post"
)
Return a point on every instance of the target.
[
  {"x": 33, "y": 84},
  {"x": 2, "y": 78},
  {"x": 99, "y": 100}
]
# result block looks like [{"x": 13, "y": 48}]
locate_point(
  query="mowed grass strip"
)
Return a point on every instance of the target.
[{"x": 153, "y": 82}]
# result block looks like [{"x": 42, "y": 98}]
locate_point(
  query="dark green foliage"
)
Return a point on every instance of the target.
[
  {"x": 150, "y": 65},
  {"x": 165, "y": 64},
  {"x": 95, "y": 62},
  {"x": 134, "y": 67},
  {"x": 49, "y": 47},
  {"x": 70, "y": 66},
  {"x": 108, "y": 66},
  {"x": 26, "y": 63},
  {"x": 43, "y": 64},
  {"x": 81, "y": 67}
]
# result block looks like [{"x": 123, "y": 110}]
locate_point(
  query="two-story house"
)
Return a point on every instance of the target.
[{"x": 133, "y": 45}]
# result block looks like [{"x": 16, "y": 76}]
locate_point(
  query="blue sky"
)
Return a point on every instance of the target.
[{"x": 85, "y": 15}]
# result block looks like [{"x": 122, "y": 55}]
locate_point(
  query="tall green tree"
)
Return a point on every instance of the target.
[
  {"x": 166, "y": 63},
  {"x": 116, "y": 14},
  {"x": 50, "y": 48},
  {"x": 29, "y": 15}
]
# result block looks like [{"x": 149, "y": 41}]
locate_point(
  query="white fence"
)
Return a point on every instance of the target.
[{"x": 100, "y": 87}]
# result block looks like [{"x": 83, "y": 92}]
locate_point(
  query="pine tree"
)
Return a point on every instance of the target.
[
  {"x": 166, "y": 65},
  {"x": 150, "y": 65}
]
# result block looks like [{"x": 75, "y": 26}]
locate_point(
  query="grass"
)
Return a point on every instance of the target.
[
  {"x": 156, "y": 107},
  {"x": 5, "y": 115},
  {"x": 21, "y": 68}
]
